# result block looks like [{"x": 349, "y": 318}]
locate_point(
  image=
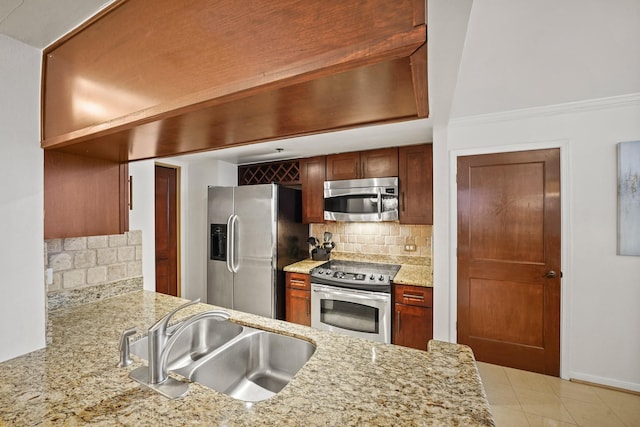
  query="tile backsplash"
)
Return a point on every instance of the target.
[
  {"x": 81, "y": 262},
  {"x": 377, "y": 238}
]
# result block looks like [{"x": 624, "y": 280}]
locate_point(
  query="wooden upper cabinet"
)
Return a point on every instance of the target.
[
  {"x": 140, "y": 82},
  {"x": 365, "y": 164},
  {"x": 343, "y": 166},
  {"x": 312, "y": 177},
  {"x": 416, "y": 184},
  {"x": 379, "y": 163},
  {"x": 84, "y": 196}
]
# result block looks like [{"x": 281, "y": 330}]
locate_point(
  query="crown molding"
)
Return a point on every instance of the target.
[{"x": 607, "y": 103}]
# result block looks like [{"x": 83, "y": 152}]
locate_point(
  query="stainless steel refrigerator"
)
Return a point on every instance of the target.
[{"x": 254, "y": 231}]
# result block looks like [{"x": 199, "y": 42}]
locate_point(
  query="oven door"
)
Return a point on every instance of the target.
[{"x": 357, "y": 313}]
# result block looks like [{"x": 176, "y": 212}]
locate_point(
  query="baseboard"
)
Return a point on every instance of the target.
[{"x": 617, "y": 385}]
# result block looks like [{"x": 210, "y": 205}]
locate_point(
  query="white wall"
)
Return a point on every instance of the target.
[
  {"x": 142, "y": 216},
  {"x": 22, "y": 293},
  {"x": 195, "y": 176},
  {"x": 600, "y": 315},
  {"x": 522, "y": 53}
]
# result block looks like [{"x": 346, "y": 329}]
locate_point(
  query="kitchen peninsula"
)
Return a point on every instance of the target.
[{"x": 348, "y": 381}]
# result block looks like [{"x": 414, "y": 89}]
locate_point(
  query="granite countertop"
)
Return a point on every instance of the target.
[
  {"x": 416, "y": 275},
  {"x": 348, "y": 381},
  {"x": 305, "y": 266}
]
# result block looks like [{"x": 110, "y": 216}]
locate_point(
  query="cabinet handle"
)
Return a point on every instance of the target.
[
  {"x": 411, "y": 296},
  {"x": 355, "y": 169},
  {"x": 398, "y": 321},
  {"x": 300, "y": 282},
  {"x": 362, "y": 175},
  {"x": 402, "y": 201},
  {"x": 308, "y": 307}
]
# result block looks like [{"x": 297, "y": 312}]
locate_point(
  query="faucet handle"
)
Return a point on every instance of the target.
[
  {"x": 125, "y": 357},
  {"x": 161, "y": 325}
]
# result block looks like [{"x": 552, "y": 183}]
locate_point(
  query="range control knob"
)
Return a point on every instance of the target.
[
  {"x": 328, "y": 272},
  {"x": 372, "y": 277},
  {"x": 320, "y": 271},
  {"x": 381, "y": 278}
]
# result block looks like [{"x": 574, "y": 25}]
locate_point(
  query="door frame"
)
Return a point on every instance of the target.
[
  {"x": 565, "y": 223},
  {"x": 178, "y": 170}
]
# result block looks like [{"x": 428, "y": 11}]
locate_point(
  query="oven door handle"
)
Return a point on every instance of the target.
[
  {"x": 379, "y": 203},
  {"x": 334, "y": 293}
]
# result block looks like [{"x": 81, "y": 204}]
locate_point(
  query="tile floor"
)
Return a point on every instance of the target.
[{"x": 520, "y": 398}]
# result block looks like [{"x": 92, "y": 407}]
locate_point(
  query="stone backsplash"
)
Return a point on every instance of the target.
[
  {"x": 378, "y": 238},
  {"x": 82, "y": 262}
]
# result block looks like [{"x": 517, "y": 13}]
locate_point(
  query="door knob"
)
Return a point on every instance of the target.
[{"x": 551, "y": 274}]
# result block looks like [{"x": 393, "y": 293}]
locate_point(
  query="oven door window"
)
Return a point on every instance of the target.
[{"x": 349, "y": 315}]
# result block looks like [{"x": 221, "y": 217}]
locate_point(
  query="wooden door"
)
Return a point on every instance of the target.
[
  {"x": 416, "y": 184},
  {"x": 509, "y": 258},
  {"x": 312, "y": 176},
  {"x": 166, "y": 218}
]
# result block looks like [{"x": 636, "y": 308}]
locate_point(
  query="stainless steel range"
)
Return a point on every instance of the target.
[{"x": 353, "y": 298}]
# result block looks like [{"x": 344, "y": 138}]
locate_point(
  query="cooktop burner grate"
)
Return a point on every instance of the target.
[{"x": 356, "y": 275}]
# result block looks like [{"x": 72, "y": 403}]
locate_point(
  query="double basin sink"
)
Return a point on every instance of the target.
[{"x": 242, "y": 362}]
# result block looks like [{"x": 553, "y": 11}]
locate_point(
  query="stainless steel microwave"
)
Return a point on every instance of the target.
[{"x": 370, "y": 199}]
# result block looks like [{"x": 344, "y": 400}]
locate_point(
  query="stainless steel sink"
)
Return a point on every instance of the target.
[
  {"x": 255, "y": 367},
  {"x": 245, "y": 363},
  {"x": 199, "y": 340}
]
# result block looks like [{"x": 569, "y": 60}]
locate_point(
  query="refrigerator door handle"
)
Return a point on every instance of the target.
[
  {"x": 231, "y": 260},
  {"x": 229, "y": 244}
]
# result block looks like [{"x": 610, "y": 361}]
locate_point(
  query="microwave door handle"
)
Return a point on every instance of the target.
[{"x": 379, "y": 203}]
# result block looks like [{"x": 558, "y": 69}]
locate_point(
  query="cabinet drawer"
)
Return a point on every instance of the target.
[
  {"x": 298, "y": 281},
  {"x": 413, "y": 295}
]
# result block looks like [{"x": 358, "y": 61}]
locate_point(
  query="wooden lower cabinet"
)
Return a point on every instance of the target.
[
  {"x": 412, "y": 321},
  {"x": 298, "y": 298}
]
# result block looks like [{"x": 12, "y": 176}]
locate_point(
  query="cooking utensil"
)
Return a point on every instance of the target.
[
  {"x": 312, "y": 241},
  {"x": 327, "y": 236}
]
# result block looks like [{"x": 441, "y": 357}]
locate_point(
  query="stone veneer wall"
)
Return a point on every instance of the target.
[
  {"x": 378, "y": 238},
  {"x": 82, "y": 262}
]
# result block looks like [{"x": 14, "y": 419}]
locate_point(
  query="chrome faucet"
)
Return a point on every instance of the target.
[{"x": 160, "y": 344}]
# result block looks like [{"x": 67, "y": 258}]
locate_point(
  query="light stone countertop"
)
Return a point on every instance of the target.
[
  {"x": 348, "y": 381},
  {"x": 416, "y": 275},
  {"x": 305, "y": 266}
]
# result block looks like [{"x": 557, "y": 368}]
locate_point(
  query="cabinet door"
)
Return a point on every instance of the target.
[
  {"x": 416, "y": 184},
  {"x": 413, "y": 326},
  {"x": 343, "y": 166},
  {"x": 84, "y": 196},
  {"x": 379, "y": 163},
  {"x": 298, "y": 306},
  {"x": 312, "y": 177}
]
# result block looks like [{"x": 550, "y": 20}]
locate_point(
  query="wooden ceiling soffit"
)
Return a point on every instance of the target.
[{"x": 122, "y": 103}]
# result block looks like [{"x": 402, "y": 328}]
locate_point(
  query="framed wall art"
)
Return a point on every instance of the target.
[{"x": 629, "y": 198}]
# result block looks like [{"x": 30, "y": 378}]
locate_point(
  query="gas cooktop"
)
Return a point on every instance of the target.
[{"x": 356, "y": 275}]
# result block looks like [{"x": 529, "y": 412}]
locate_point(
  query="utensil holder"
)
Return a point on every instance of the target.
[{"x": 319, "y": 255}]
